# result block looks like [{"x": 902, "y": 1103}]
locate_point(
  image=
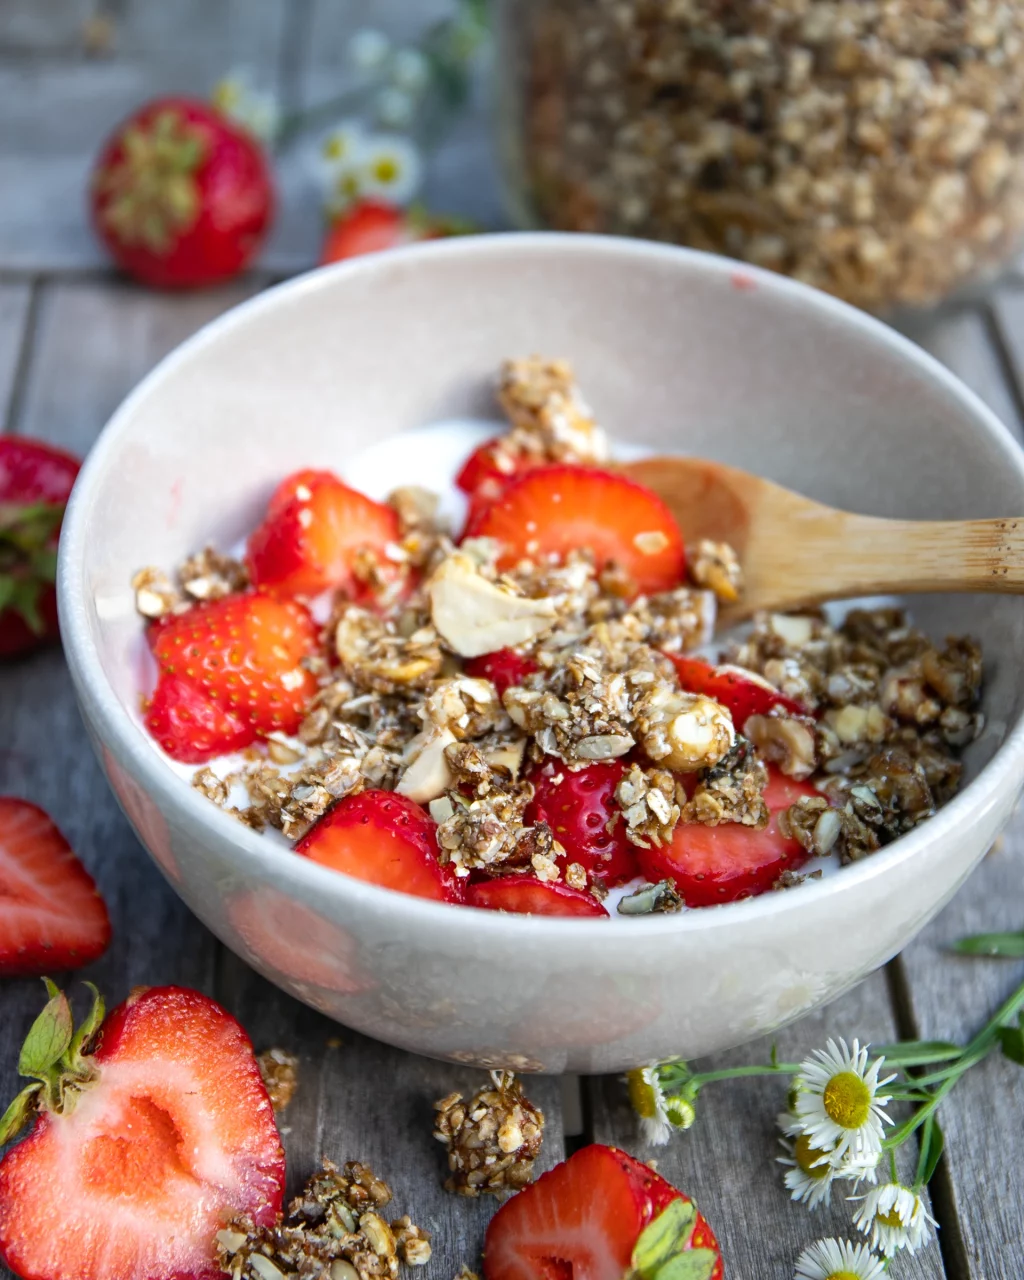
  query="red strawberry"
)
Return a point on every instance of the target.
[
  {"x": 314, "y": 529},
  {"x": 503, "y": 668},
  {"x": 588, "y": 1219},
  {"x": 51, "y": 915},
  {"x": 558, "y": 509},
  {"x": 743, "y": 693},
  {"x": 241, "y": 654},
  {"x": 141, "y": 1148},
  {"x": 371, "y": 225},
  {"x": 579, "y": 808},
  {"x": 528, "y": 896},
  {"x": 189, "y": 726},
  {"x": 487, "y": 473},
  {"x": 721, "y": 864},
  {"x": 387, "y": 839},
  {"x": 35, "y": 481},
  {"x": 181, "y": 196}
]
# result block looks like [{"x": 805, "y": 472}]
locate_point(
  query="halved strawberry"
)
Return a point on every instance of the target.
[
  {"x": 742, "y": 692},
  {"x": 51, "y": 914},
  {"x": 244, "y": 655},
  {"x": 488, "y": 472},
  {"x": 528, "y": 896},
  {"x": 711, "y": 865},
  {"x": 315, "y": 529},
  {"x": 189, "y": 726},
  {"x": 558, "y": 509},
  {"x": 371, "y": 225},
  {"x": 580, "y": 809},
  {"x": 589, "y": 1219},
  {"x": 387, "y": 839},
  {"x": 142, "y": 1148},
  {"x": 504, "y": 668}
]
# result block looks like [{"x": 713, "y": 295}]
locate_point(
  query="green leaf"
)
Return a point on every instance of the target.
[
  {"x": 695, "y": 1264},
  {"x": 52, "y": 990},
  {"x": 917, "y": 1053},
  {"x": 89, "y": 1026},
  {"x": 1011, "y": 1040},
  {"x": 27, "y": 526},
  {"x": 1008, "y": 946},
  {"x": 18, "y": 1113},
  {"x": 933, "y": 1142},
  {"x": 48, "y": 1038},
  {"x": 666, "y": 1237}
]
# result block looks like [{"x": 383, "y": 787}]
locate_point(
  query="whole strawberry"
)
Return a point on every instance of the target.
[
  {"x": 35, "y": 481},
  {"x": 181, "y": 195},
  {"x": 149, "y": 1130}
]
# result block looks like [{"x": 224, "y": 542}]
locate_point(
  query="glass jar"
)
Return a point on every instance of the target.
[{"x": 873, "y": 148}]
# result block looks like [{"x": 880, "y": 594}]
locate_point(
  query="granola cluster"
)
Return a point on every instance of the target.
[
  {"x": 493, "y": 1139},
  {"x": 280, "y": 1072},
  {"x": 871, "y": 148},
  {"x": 334, "y": 1230}
]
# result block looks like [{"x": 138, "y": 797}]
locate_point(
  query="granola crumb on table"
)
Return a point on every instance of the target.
[
  {"x": 493, "y": 1139},
  {"x": 280, "y": 1072},
  {"x": 875, "y": 714}
]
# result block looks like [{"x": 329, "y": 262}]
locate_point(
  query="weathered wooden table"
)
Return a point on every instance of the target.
[{"x": 74, "y": 339}]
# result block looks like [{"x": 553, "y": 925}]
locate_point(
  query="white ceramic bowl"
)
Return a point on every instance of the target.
[{"x": 676, "y": 350}]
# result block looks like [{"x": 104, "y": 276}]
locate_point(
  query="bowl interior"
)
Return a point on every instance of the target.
[{"x": 674, "y": 350}]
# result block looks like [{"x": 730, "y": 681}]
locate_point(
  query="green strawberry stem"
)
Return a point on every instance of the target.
[{"x": 28, "y": 559}]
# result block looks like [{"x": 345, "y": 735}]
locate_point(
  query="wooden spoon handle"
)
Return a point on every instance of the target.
[{"x": 835, "y": 555}]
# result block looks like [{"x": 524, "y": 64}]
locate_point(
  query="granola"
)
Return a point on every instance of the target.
[
  {"x": 493, "y": 1139},
  {"x": 280, "y": 1072}
]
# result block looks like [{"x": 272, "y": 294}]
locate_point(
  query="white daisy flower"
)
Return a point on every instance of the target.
[
  {"x": 861, "y": 1168},
  {"x": 648, "y": 1102},
  {"x": 838, "y": 1103},
  {"x": 838, "y": 1260},
  {"x": 390, "y": 168},
  {"x": 344, "y": 145},
  {"x": 895, "y": 1218},
  {"x": 257, "y": 110},
  {"x": 810, "y": 1172},
  {"x": 368, "y": 50},
  {"x": 394, "y": 107},
  {"x": 410, "y": 70}
]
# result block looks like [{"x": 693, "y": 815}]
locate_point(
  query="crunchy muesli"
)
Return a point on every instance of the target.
[
  {"x": 493, "y": 1139},
  {"x": 280, "y": 1072}
]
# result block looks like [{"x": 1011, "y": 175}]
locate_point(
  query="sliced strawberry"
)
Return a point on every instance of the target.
[
  {"x": 315, "y": 529},
  {"x": 242, "y": 653},
  {"x": 368, "y": 227},
  {"x": 488, "y": 472},
  {"x": 528, "y": 896},
  {"x": 583, "y": 1220},
  {"x": 503, "y": 668},
  {"x": 743, "y": 693},
  {"x": 190, "y": 727},
  {"x": 384, "y": 838},
  {"x": 721, "y": 864},
  {"x": 51, "y": 914},
  {"x": 142, "y": 1149},
  {"x": 558, "y": 509},
  {"x": 580, "y": 809}
]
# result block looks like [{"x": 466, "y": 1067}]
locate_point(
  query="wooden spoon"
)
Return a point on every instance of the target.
[{"x": 796, "y": 552}]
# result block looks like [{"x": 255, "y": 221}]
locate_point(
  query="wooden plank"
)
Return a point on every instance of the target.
[
  {"x": 93, "y": 342},
  {"x": 14, "y": 309},
  {"x": 43, "y": 26},
  {"x": 963, "y": 341},
  {"x": 726, "y": 1161},
  {"x": 361, "y": 1100}
]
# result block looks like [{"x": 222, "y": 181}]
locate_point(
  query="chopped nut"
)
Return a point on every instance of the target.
[
  {"x": 413, "y": 1243},
  {"x": 785, "y": 741},
  {"x": 492, "y": 1140},
  {"x": 211, "y": 576},
  {"x": 650, "y": 898},
  {"x": 427, "y": 776},
  {"x": 716, "y": 565},
  {"x": 280, "y": 1072},
  {"x": 377, "y": 658},
  {"x": 155, "y": 594},
  {"x": 475, "y": 616},
  {"x": 684, "y": 731}
]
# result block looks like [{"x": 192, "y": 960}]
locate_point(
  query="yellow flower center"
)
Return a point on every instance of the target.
[
  {"x": 386, "y": 169},
  {"x": 807, "y": 1157},
  {"x": 335, "y": 148},
  {"x": 889, "y": 1219},
  {"x": 641, "y": 1095},
  {"x": 843, "y": 1275},
  {"x": 847, "y": 1100}
]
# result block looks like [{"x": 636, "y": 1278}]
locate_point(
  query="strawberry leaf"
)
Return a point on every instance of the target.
[
  {"x": 21, "y": 595},
  {"x": 48, "y": 1039},
  {"x": 17, "y": 1114},
  {"x": 695, "y": 1264},
  {"x": 88, "y": 1027},
  {"x": 665, "y": 1238}
]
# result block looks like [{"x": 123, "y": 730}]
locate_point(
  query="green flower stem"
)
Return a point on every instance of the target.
[
  {"x": 738, "y": 1073},
  {"x": 295, "y": 122}
]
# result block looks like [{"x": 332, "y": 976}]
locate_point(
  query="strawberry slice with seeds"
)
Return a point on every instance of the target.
[
  {"x": 558, "y": 509},
  {"x": 315, "y": 533},
  {"x": 243, "y": 654},
  {"x": 528, "y": 896},
  {"x": 711, "y": 865},
  {"x": 488, "y": 472},
  {"x": 386, "y": 839},
  {"x": 744, "y": 693},
  {"x": 504, "y": 668},
  {"x": 580, "y": 809},
  {"x": 140, "y": 1149},
  {"x": 51, "y": 914},
  {"x": 600, "y": 1215}
]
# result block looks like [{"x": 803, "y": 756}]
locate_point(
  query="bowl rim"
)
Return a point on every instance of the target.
[{"x": 313, "y": 882}]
